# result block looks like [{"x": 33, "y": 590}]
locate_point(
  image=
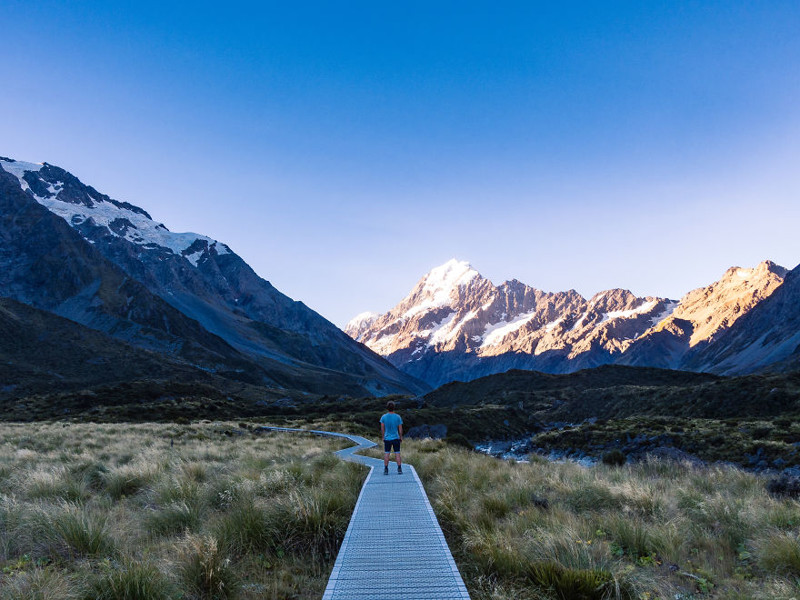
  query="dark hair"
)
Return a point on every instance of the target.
[{"x": 390, "y": 405}]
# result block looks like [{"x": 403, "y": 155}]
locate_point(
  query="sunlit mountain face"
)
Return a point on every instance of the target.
[{"x": 456, "y": 324}]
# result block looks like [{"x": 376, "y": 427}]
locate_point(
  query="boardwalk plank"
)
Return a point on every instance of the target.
[{"x": 394, "y": 547}]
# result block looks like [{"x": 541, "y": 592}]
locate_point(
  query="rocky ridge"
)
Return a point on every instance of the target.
[
  {"x": 108, "y": 265},
  {"x": 457, "y": 325}
]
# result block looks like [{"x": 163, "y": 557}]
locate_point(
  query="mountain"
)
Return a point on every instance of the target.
[
  {"x": 702, "y": 316},
  {"x": 766, "y": 338},
  {"x": 80, "y": 254},
  {"x": 37, "y": 347},
  {"x": 457, "y": 325}
]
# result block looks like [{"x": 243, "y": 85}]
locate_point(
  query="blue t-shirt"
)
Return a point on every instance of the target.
[{"x": 391, "y": 422}]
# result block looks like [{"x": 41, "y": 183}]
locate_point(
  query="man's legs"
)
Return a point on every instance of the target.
[
  {"x": 397, "y": 456},
  {"x": 387, "y": 449}
]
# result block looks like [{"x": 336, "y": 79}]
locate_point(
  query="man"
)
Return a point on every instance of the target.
[{"x": 392, "y": 433}]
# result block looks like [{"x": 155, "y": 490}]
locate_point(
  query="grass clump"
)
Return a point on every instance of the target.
[
  {"x": 246, "y": 527},
  {"x": 779, "y": 552},
  {"x": 206, "y": 571},
  {"x": 69, "y": 531},
  {"x": 42, "y": 584},
  {"x": 175, "y": 517},
  {"x": 128, "y": 479},
  {"x": 572, "y": 584},
  {"x": 125, "y": 511},
  {"x": 132, "y": 581}
]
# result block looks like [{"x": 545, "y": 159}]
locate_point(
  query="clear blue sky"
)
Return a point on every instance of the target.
[{"x": 345, "y": 148}]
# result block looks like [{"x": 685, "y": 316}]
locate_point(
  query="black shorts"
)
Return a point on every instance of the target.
[{"x": 389, "y": 444}]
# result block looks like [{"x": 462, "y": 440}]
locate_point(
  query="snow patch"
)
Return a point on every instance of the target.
[
  {"x": 627, "y": 314},
  {"x": 383, "y": 345},
  {"x": 132, "y": 226},
  {"x": 122, "y": 222},
  {"x": 578, "y": 322},
  {"x": 18, "y": 169},
  {"x": 553, "y": 324},
  {"x": 194, "y": 257},
  {"x": 442, "y": 331},
  {"x": 495, "y": 333},
  {"x": 668, "y": 310}
]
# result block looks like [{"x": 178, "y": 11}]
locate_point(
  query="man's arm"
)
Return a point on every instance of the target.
[
  {"x": 383, "y": 430},
  {"x": 400, "y": 431}
]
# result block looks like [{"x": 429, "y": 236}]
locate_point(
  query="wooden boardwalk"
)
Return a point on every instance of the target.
[{"x": 394, "y": 547}]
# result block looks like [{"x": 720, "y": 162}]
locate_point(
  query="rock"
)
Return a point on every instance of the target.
[
  {"x": 539, "y": 502},
  {"x": 436, "y": 432},
  {"x": 792, "y": 471}
]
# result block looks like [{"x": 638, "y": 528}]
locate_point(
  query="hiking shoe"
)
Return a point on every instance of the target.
[
  {"x": 385, "y": 470},
  {"x": 399, "y": 470}
]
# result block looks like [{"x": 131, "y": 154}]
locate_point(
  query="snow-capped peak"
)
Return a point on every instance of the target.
[
  {"x": 363, "y": 319},
  {"x": 356, "y": 326},
  {"x": 436, "y": 288},
  {"x": 118, "y": 218}
]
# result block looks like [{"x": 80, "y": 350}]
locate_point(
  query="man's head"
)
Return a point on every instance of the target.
[{"x": 390, "y": 406}]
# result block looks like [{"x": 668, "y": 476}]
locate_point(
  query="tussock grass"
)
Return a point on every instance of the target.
[
  {"x": 42, "y": 584},
  {"x": 119, "y": 512},
  {"x": 175, "y": 517},
  {"x": 114, "y": 511},
  {"x": 68, "y": 531},
  {"x": 128, "y": 479},
  {"x": 133, "y": 581},
  {"x": 641, "y": 530},
  {"x": 779, "y": 552},
  {"x": 206, "y": 571}
]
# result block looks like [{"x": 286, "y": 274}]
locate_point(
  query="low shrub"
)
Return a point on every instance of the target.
[
  {"x": 459, "y": 440},
  {"x": 614, "y": 458},
  {"x": 784, "y": 485}
]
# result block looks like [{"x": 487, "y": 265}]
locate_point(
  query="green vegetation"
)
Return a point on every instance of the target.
[
  {"x": 753, "y": 443},
  {"x": 155, "y": 511},
  {"x": 746, "y": 420},
  {"x": 616, "y": 392}
]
